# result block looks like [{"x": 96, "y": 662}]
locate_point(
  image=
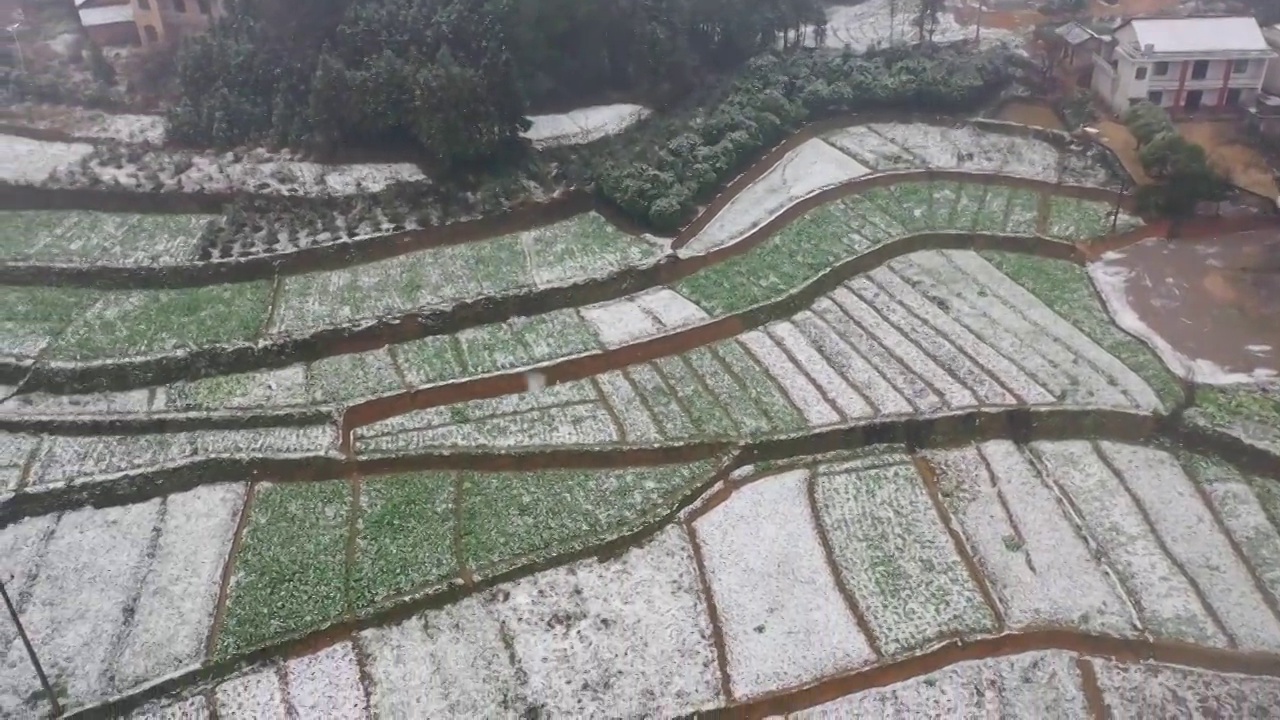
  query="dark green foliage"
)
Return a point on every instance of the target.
[
  {"x": 1181, "y": 166},
  {"x": 660, "y": 180},
  {"x": 454, "y": 76}
]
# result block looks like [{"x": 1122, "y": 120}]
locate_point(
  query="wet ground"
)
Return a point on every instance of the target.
[{"x": 1215, "y": 301}]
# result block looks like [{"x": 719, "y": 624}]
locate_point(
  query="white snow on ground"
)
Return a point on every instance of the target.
[
  {"x": 29, "y": 162},
  {"x": 1030, "y": 685},
  {"x": 1164, "y": 598},
  {"x": 626, "y": 637},
  {"x": 791, "y": 378},
  {"x": 445, "y": 663},
  {"x": 637, "y": 425},
  {"x": 784, "y": 620},
  {"x": 1112, "y": 283},
  {"x": 128, "y": 401},
  {"x": 1247, "y": 521},
  {"x": 846, "y": 399},
  {"x": 1155, "y": 690},
  {"x": 192, "y": 708},
  {"x": 806, "y": 170},
  {"x": 21, "y": 545},
  {"x": 865, "y": 25},
  {"x": 1039, "y": 569},
  {"x": 253, "y": 696},
  {"x": 1015, "y": 323},
  {"x": 641, "y": 315},
  {"x": 157, "y": 563},
  {"x": 849, "y": 364},
  {"x": 1194, "y": 539},
  {"x": 583, "y": 125},
  {"x": 14, "y": 451},
  {"x": 81, "y": 122},
  {"x": 326, "y": 685},
  {"x": 898, "y": 146}
]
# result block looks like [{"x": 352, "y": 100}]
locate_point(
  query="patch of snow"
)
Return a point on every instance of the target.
[
  {"x": 1156, "y": 690},
  {"x": 808, "y": 169},
  {"x": 790, "y": 378},
  {"x": 785, "y": 623},
  {"x": 583, "y": 125},
  {"x": 851, "y": 365},
  {"x": 192, "y": 708},
  {"x": 1030, "y": 685},
  {"x": 450, "y": 662},
  {"x": 671, "y": 308},
  {"x": 1039, "y": 569},
  {"x": 1164, "y": 598},
  {"x": 637, "y": 424},
  {"x": 326, "y": 685},
  {"x": 1181, "y": 518},
  {"x": 176, "y": 602},
  {"x": 620, "y": 322},
  {"x": 870, "y": 24},
  {"x": 625, "y": 637},
  {"x": 1246, "y": 520},
  {"x": 253, "y": 696},
  {"x": 846, "y": 399},
  {"x": 1112, "y": 282},
  {"x": 29, "y": 162},
  {"x": 128, "y": 401},
  {"x": 89, "y": 576}
]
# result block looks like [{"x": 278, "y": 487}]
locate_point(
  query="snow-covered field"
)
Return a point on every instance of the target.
[
  {"x": 900, "y": 146},
  {"x": 83, "y": 237},
  {"x": 1075, "y": 536},
  {"x": 871, "y": 24},
  {"x": 79, "y": 575},
  {"x": 85, "y": 123},
  {"x": 583, "y": 125},
  {"x": 812, "y": 167},
  {"x": 29, "y": 162},
  {"x": 912, "y": 336}
]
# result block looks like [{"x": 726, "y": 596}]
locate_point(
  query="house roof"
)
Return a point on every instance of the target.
[
  {"x": 1075, "y": 33},
  {"x": 1198, "y": 34},
  {"x": 109, "y": 15}
]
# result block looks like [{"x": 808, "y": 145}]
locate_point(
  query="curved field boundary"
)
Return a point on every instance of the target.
[
  {"x": 343, "y": 254},
  {"x": 1020, "y": 425},
  {"x": 372, "y": 334},
  {"x": 72, "y": 424}
]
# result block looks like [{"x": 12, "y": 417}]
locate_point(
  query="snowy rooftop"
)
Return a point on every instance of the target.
[
  {"x": 93, "y": 17},
  {"x": 1208, "y": 34},
  {"x": 1075, "y": 33}
]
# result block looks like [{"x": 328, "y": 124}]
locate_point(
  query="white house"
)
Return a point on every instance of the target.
[
  {"x": 1183, "y": 63},
  {"x": 1271, "y": 83}
]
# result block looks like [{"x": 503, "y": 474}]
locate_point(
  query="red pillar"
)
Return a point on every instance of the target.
[
  {"x": 1226, "y": 80},
  {"x": 1182, "y": 83}
]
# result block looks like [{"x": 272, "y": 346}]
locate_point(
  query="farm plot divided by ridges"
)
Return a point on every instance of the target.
[
  {"x": 77, "y": 575},
  {"x": 910, "y": 337},
  {"x": 1113, "y": 539},
  {"x": 1249, "y": 412},
  {"x": 32, "y": 317},
  {"x": 583, "y": 247},
  {"x": 1066, "y": 288},
  {"x": 82, "y": 237},
  {"x": 835, "y": 232},
  {"x": 130, "y": 323},
  {"x": 295, "y": 572},
  {"x": 898, "y": 146}
]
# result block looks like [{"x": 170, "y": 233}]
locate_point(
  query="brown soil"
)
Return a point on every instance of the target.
[
  {"x": 1033, "y": 113},
  {"x": 1117, "y": 137},
  {"x": 1231, "y": 152},
  {"x": 1214, "y": 298}
]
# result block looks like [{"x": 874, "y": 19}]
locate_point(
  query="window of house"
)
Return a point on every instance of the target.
[
  {"x": 151, "y": 34},
  {"x": 180, "y": 6},
  {"x": 144, "y": 4},
  {"x": 1233, "y": 98},
  {"x": 1155, "y": 97},
  {"x": 1200, "y": 70},
  {"x": 1161, "y": 69},
  {"x": 204, "y": 6},
  {"x": 1141, "y": 74},
  {"x": 1239, "y": 67}
]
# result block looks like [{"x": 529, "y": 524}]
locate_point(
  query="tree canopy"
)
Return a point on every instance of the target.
[{"x": 454, "y": 76}]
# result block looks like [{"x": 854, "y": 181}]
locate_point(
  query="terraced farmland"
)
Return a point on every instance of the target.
[{"x": 862, "y": 441}]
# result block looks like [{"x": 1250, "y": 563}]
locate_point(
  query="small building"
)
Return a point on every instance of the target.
[
  {"x": 108, "y": 22},
  {"x": 1183, "y": 64},
  {"x": 1271, "y": 82},
  {"x": 164, "y": 21},
  {"x": 1073, "y": 46}
]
